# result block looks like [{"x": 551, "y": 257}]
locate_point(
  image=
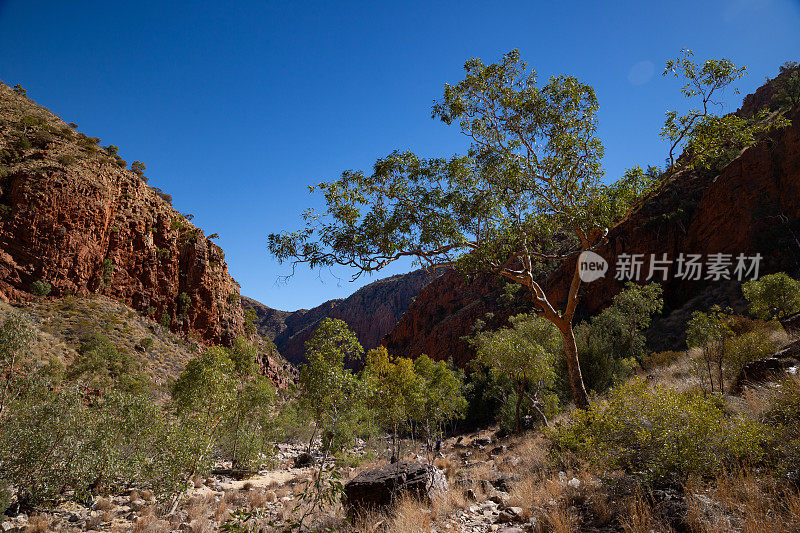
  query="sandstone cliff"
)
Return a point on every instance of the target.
[
  {"x": 751, "y": 206},
  {"x": 72, "y": 215}
]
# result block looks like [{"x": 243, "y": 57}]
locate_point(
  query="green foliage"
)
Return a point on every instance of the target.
[
  {"x": 16, "y": 335},
  {"x": 709, "y": 331},
  {"x": 20, "y": 90},
  {"x": 613, "y": 342},
  {"x": 54, "y": 440},
  {"x": 396, "y": 392},
  {"x": 66, "y": 159},
  {"x": 184, "y": 303},
  {"x": 329, "y": 391},
  {"x": 40, "y": 288},
  {"x": 107, "y": 269},
  {"x": 525, "y": 353},
  {"x": 441, "y": 399},
  {"x": 760, "y": 342},
  {"x": 707, "y": 139},
  {"x": 773, "y": 296},
  {"x": 101, "y": 365},
  {"x": 222, "y": 396},
  {"x": 784, "y": 416},
  {"x": 788, "y": 90},
  {"x": 659, "y": 435}
]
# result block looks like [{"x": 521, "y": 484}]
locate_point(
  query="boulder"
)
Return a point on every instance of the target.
[
  {"x": 303, "y": 460},
  {"x": 762, "y": 370},
  {"x": 379, "y": 487}
]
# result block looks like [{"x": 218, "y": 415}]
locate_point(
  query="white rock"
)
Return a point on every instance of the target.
[{"x": 574, "y": 483}]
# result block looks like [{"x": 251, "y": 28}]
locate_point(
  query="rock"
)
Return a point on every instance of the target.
[
  {"x": 574, "y": 483},
  {"x": 497, "y": 450},
  {"x": 762, "y": 370},
  {"x": 470, "y": 495},
  {"x": 481, "y": 441},
  {"x": 7, "y": 526},
  {"x": 510, "y": 530},
  {"x": 501, "y": 482},
  {"x": 510, "y": 514},
  {"x": 138, "y": 505},
  {"x": 379, "y": 487},
  {"x": 304, "y": 459}
]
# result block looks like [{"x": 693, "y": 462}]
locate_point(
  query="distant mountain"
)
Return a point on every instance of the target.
[{"x": 371, "y": 312}]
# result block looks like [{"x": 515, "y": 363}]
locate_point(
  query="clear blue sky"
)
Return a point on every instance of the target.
[{"x": 235, "y": 107}]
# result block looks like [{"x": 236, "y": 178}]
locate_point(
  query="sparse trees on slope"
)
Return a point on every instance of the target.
[
  {"x": 16, "y": 336},
  {"x": 532, "y": 176},
  {"x": 525, "y": 353}
]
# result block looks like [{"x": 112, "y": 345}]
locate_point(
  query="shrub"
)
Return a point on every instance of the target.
[
  {"x": 20, "y": 90},
  {"x": 107, "y": 268},
  {"x": 660, "y": 435},
  {"x": 613, "y": 342},
  {"x": 773, "y": 296},
  {"x": 66, "y": 159},
  {"x": 184, "y": 303},
  {"x": 758, "y": 343},
  {"x": 784, "y": 415},
  {"x": 146, "y": 343},
  {"x": 40, "y": 288}
]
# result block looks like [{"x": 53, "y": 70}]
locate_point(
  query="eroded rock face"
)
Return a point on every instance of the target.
[
  {"x": 74, "y": 217},
  {"x": 380, "y": 487},
  {"x": 751, "y": 206}
]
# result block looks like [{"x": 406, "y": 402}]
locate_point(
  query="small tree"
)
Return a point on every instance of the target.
[
  {"x": 20, "y": 90},
  {"x": 40, "y": 288},
  {"x": 329, "y": 391},
  {"x": 525, "y": 353},
  {"x": 442, "y": 399},
  {"x": 254, "y": 397},
  {"x": 16, "y": 336},
  {"x": 203, "y": 396},
  {"x": 613, "y": 339},
  {"x": 703, "y": 136},
  {"x": 395, "y": 391},
  {"x": 708, "y": 332},
  {"x": 138, "y": 168},
  {"x": 775, "y": 296},
  {"x": 788, "y": 90}
]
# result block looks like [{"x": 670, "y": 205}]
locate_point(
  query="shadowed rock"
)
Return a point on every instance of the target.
[{"x": 380, "y": 487}]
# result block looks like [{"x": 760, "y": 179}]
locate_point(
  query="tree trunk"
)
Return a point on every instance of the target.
[{"x": 573, "y": 365}]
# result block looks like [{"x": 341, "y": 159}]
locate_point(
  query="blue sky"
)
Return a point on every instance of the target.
[{"x": 236, "y": 107}]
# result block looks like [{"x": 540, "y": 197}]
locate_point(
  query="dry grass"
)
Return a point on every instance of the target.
[
  {"x": 638, "y": 516},
  {"x": 38, "y": 524},
  {"x": 151, "y": 524},
  {"x": 104, "y": 504},
  {"x": 411, "y": 516}
]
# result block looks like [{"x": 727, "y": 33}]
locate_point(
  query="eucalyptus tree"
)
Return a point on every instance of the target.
[
  {"x": 330, "y": 392},
  {"x": 525, "y": 354},
  {"x": 529, "y": 190},
  {"x": 701, "y": 135}
]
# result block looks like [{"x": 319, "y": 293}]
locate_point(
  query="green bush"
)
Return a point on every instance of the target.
[
  {"x": 613, "y": 342},
  {"x": 660, "y": 435},
  {"x": 66, "y": 159},
  {"x": 40, "y": 288},
  {"x": 758, "y": 343},
  {"x": 773, "y": 296},
  {"x": 784, "y": 416}
]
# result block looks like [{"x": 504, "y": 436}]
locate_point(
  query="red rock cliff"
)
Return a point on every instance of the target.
[{"x": 72, "y": 215}]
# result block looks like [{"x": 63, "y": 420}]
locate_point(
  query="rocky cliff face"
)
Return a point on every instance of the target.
[
  {"x": 371, "y": 312},
  {"x": 751, "y": 206},
  {"x": 74, "y": 217}
]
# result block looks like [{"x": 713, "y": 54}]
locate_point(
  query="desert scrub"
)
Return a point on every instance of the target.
[
  {"x": 784, "y": 416},
  {"x": 659, "y": 435}
]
